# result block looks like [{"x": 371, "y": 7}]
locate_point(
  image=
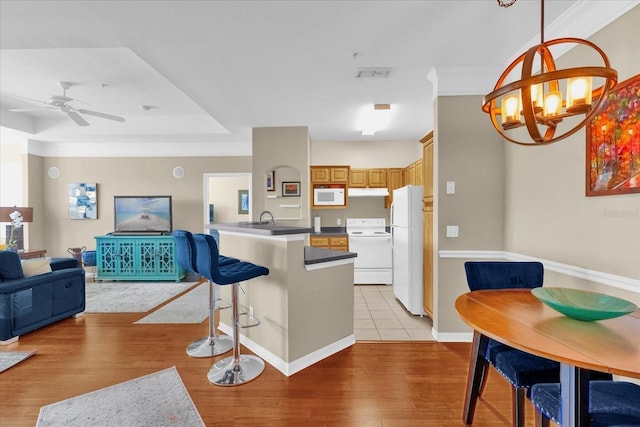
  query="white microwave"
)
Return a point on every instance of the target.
[{"x": 328, "y": 196}]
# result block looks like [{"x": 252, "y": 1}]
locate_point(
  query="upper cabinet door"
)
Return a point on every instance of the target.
[
  {"x": 340, "y": 174},
  {"x": 320, "y": 175},
  {"x": 358, "y": 178},
  {"x": 377, "y": 178}
]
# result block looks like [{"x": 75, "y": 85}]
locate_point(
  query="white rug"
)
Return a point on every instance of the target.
[
  {"x": 12, "y": 358},
  {"x": 192, "y": 307},
  {"x": 159, "y": 399},
  {"x": 130, "y": 297}
]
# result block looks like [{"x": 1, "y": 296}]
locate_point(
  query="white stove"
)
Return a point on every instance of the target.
[{"x": 369, "y": 238}]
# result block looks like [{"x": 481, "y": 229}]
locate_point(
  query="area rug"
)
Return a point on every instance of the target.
[
  {"x": 12, "y": 358},
  {"x": 192, "y": 307},
  {"x": 158, "y": 399},
  {"x": 130, "y": 297}
]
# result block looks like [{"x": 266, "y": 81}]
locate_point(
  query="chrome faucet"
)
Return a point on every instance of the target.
[{"x": 273, "y": 221}]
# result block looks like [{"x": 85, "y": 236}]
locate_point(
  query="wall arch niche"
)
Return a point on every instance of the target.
[{"x": 282, "y": 204}]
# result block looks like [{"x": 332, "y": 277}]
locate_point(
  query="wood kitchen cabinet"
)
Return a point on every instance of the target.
[
  {"x": 368, "y": 178},
  {"x": 336, "y": 243},
  {"x": 329, "y": 174},
  {"x": 427, "y": 223},
  {"x": 394, "y": 180}
]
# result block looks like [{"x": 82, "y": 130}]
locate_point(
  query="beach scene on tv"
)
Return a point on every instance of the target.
[{"x": 143, "y": 214}]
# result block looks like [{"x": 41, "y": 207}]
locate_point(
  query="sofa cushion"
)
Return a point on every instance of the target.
[
  {"x": 35, "y": 266},
  {"x": 10, "y": 266}
]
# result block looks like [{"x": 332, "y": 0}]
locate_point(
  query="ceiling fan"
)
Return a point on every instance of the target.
[{"x": 61, "y": 102}]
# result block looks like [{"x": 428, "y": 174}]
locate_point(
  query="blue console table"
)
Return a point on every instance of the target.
[{"x": 137, "y": 258}]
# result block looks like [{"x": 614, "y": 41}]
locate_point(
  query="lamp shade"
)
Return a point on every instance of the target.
[{"x": 5, "y": 211}]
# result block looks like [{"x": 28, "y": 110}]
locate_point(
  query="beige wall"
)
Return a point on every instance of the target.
[
  {"x": 531, "y": 200},
  {"x": 117, "y": 176},
  {"x": 548, "y": 215},
  {"x": 366, "y": 154},
  {"x": 471, "y": 154},
  {"x": 285, "y": 150}
]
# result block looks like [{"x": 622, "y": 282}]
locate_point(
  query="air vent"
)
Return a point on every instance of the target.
[{"x": 373, "y": 73}]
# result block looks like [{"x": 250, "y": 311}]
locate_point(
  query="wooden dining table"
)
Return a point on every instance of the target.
[{"x": 517, "y": 318}]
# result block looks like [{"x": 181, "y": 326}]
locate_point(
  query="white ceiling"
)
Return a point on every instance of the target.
[{"x": 212, "y": 70}]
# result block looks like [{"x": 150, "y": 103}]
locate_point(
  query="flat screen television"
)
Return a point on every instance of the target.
[{"x": 142, "y": 214}]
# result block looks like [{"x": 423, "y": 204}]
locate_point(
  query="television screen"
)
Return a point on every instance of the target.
[{"x": 142, "y": 214}]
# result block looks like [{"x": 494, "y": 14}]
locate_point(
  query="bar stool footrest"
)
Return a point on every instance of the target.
[{"x": 254, "y": 321}]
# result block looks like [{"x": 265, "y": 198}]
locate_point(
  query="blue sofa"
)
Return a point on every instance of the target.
[{"x": 29, "y": 303}]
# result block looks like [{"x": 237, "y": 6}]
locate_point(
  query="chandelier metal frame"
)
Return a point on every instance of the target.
[{"x": 551, "y": 77}]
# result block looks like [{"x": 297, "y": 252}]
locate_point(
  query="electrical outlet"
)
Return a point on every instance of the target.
[
  {"x": 451, "y": 187},
  {"x": 339, "y": 221},
  {"x": 452, "y": 231}
]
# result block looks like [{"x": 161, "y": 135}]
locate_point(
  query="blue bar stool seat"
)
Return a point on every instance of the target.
[
  {"x": 213, "y": 344},
  {"x": 237, "y": 369}
]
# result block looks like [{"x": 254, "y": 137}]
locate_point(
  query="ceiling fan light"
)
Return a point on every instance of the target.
[{"x": 578, "y": 94}]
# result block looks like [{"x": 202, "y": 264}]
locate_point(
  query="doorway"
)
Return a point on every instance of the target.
[{"x": 224, "y": 197}]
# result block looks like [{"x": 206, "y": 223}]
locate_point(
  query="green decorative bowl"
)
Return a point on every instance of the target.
[{"x": 583, "y": 305}]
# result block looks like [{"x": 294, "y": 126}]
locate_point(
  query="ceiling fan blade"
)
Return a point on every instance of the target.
[
  {"x": 102, "y": 115},
  {"x": 25, "y": 98},
  {"x": 26, "y": 110},
  {"x": 77, "y": 118}
]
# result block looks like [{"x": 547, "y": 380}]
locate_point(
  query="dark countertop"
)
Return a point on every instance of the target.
[
  {"x": 318, "y": 255},
  {"x": 254, "y": 227},
  {"x": 331, "y": 231}
]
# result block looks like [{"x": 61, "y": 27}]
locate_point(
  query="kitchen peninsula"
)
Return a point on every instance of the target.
[{"x": 305, "y": 304}]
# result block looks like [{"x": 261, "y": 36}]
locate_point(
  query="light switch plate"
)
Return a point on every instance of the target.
[
  {"x": 451, "y": 187},
  {"x": 452, "y": 231}
]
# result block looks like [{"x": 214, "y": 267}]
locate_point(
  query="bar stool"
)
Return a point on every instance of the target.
[
  {"x": 213, "y": 344},
  {"x": 237, "y": 369}
]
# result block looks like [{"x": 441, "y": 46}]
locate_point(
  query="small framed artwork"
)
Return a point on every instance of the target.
[
  {"x": 271, "y": 183},
  {"x": 243, "y": 201},
  {"x": 82, "y": 201},
  {"x": 291, "y": 189},
  {"x": 613, "y": 143}
]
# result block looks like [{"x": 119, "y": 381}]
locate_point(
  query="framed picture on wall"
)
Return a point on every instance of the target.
[
  {"x": 291, "y": 189},
  {"x": 613, "y": 143},
  {"x": 271, "y": 183},
  {"x": 243, "y": 201},
  {"x": 82, "y": 201}
]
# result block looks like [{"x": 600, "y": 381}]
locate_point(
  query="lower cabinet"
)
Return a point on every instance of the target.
[
  {"x": 137, "y": 258},
  {"x": 336, "y": 243}
]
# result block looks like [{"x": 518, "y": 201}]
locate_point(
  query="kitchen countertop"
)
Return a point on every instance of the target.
[
  {"x": 317, "y": 255},
  {"x": 331, "y": 231},
  {"x": 255, "y": 227}
]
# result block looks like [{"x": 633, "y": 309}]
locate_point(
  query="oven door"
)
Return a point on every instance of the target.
[{"x": 374, "y": 252}]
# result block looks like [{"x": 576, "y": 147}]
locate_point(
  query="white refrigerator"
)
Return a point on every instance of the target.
[{"x": 406, "y": 230}]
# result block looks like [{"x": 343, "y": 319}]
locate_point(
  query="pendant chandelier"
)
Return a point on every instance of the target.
[{"x": 536, "y": 101}]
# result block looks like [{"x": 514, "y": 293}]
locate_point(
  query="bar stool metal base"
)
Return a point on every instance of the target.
[
  {"x": 226, "y": 373},
  {"x": 209, "y": 347}
]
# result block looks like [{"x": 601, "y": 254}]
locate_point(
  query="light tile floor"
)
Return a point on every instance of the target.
[{"x": 378, "y": 316}]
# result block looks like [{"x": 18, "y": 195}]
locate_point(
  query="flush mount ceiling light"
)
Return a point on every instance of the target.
[
  {"x": 538, "y": 98},
  {"x": 375, "y": 117}
]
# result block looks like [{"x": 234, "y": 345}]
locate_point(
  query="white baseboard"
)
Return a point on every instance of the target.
[{"x": 290, "y": 368}]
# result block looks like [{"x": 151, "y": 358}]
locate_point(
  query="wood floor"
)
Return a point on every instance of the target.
[{"x": 368, "y": 384}]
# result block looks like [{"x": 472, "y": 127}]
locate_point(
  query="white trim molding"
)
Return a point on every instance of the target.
[
  {"x": 290, "y": 368},
  {"x": 607, "y": 279}
]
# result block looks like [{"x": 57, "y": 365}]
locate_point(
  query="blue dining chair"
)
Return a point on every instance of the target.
[
  {"x": 611, "y": 404},
  {"x": 521, "y": 369},
  {"x": 213, "y": 344},
  {"x": 237, "y": 369}
]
